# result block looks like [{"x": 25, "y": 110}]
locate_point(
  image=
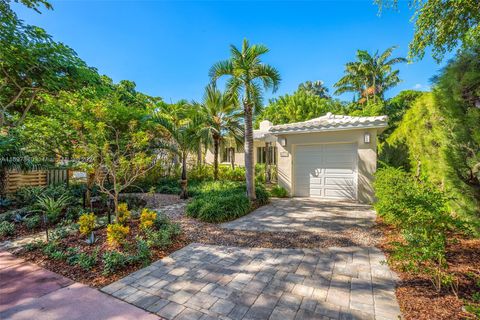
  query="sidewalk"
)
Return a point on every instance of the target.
[{"x": 28, "y": 291}]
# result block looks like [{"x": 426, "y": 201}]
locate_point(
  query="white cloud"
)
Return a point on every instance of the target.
[{"x": 417, "y": 86}]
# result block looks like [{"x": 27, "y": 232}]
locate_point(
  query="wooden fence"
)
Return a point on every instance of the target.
[{"x": 36, "y": 178}]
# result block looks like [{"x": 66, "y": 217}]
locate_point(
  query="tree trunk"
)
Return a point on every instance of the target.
[
  {"x": 249, "y": 165},
  {"x": 183, "y": 181},
  {"x": 199, "y": 154},
  {"x": 232, "y": 157},
  {"x": 88, "y": 192},
  {"x": 115, "y": 206},
  {"x": 267, "y": 162},
  {"x": 216, "y": 143}
]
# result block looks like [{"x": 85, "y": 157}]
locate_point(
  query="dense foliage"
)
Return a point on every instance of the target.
[
  {"x": 442, "y": 24},
  {"x": 420, "y": 211},
  {"x": 299, "y": 106},
  {"x": 223, "y": 201},
  {"x": 438, "y": 139}
]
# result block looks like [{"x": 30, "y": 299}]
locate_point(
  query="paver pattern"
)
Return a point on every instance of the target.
[
  {"x": 306, "y": 214},
  {"x": 218, "y": 282}
]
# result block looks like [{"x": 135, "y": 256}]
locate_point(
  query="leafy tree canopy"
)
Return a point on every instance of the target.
[
  {"x": 299, "y": 106},
  {"x": 31, "y": 64},
  {"x": 442, "y": 25},
  {"x": 316, "y": 88}
]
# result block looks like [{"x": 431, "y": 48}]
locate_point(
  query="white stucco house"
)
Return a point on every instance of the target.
[{"x": 330, "y": 157}]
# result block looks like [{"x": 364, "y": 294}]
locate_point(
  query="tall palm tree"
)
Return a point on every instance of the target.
[
  {"x": 249, "y": 76},
  {"x": 181, "y": 139},
  {"x": 220, "y": 117},
  {"x": 370, "y": 75}
]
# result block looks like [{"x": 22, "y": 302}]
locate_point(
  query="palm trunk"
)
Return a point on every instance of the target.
[
  {"x": 249, "y": 169},
  {"x": 199, "y": 154},
  {"x": 216, "y": 144},
  {"x": 183, "y": 181},
  {"x": 232, "y": 158}
]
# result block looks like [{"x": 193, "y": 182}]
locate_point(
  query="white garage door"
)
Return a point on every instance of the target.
[{"x": 326, "y": 171}]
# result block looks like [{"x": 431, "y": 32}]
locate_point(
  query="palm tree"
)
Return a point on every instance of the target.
[
  {"x": 182, "y": 138},
  {"x": 220, "y": 117},
  {"x": 370, "y": 75},
  {"x": 316, "y": 88},
  {"x": 249, "y": 76}
]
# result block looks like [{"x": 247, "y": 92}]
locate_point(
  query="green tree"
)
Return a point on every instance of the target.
[
  {"x": 316, "y": 88},
  {"x": 249, "y": 76},
  {"x": 442, "y": 25},
  {"x": 300, "y": 106},
  {"x": 182, "y": 138},
  {"x": 220, "y": 118},
  {"x": 31, "y": 63},
  {"x": 370, "y": 76}
]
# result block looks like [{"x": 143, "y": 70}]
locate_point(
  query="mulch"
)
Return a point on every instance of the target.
[
  {"x": 21, "y": 231},
  {"x": 417, "y": 296},
  {"x": 95, "y": 276}
]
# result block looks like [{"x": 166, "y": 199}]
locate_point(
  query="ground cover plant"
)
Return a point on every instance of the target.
[{"x": 119, "y": 248}]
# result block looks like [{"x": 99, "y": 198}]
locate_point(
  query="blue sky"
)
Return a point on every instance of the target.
[{"x": 167, "y": 47}]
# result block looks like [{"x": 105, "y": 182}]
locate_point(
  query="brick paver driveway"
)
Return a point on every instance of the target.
[
  {"x": 306, "y": 214},
  {"x": 218, "y": 282},
  {"x": 221, "y": 282}
]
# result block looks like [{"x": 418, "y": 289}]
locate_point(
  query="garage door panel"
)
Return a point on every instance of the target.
[
  {"x": 326, "y": 171},
  {"x": 338, "y": 181}
]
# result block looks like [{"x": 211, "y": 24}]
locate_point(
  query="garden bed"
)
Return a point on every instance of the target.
[
  {"x": 419, "y": 299},
  {"x": 61, "y": 259}
]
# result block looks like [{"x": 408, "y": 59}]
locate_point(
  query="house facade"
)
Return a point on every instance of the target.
[{"x": 330, "y": 157}]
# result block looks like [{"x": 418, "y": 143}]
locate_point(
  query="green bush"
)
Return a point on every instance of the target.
[
  {"x": 87, "y": 261},
  {"x": 33, "y": 222},
  {"x": 7, "y": 228},
  {"x": 421, "y": 213},
  {"x": 221, "y": 201},
  {"x": 279, "y": 192},
  {"x": 143, "y": 253},
  {"x": 113, "y": 261}
]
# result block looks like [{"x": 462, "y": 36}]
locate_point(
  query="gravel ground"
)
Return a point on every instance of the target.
[{"x": 208, "y": 233}]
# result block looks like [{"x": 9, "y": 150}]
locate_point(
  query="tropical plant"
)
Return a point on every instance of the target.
[
  {"x": 441, "y": 24},
  {"x": 249, "y": 76},
  {"x": 147, "y": 218},
  {"x": 182, "y": 138},
  {"x": 86, "y": 224},
  {"x": 117, "y": 234},
  {"x": 316, "y": 88},
  {"x": 220, "y": 118},
  {"x": 370, "y": 76},
  {"x": 300, "y": 106},
  {"x": 124, "y": 215},
  {"x": 51, "y": 208}
]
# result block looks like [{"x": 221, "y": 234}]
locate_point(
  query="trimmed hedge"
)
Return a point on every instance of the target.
[{"x": 222, "y": 201}]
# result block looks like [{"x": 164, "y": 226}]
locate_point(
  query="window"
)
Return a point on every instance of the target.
[
  {"x": 227, "y": 154},
  {"x": 262, "y": 156}
]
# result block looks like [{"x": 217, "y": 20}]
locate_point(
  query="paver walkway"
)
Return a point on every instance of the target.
[
  {"x": 217, "y": 282},
  {"x": 305, "y": 214},
  {"x": 28, "y": 292}
]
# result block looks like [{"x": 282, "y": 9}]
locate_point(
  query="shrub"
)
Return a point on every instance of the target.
[
  {"x": 7, "y": 228},
  {"x": 53, "y": 251},
  {"x": 162, "y": 238},
  {"x": 279, "y": 192},
  {"x": 147, "y": 218},
  {"x": 60, "y": 232},
  {"x": 143, "y": 253},
  {"x": 161, "y": 220},
  {"x": 86, "y": 223},
  {"x": 87, "y": 261},
  {"x": 116, "y": 234},
  {"x": 34, "y": 245},
  {"x": 113, "y": 261},
  {"x": 124, "y": 214},
  {"x": 420, "y": 211},
  {"x": 52, "y": 207},
  {"x": 223, "y": 201},
  {"x": 33, "y": 222}
]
